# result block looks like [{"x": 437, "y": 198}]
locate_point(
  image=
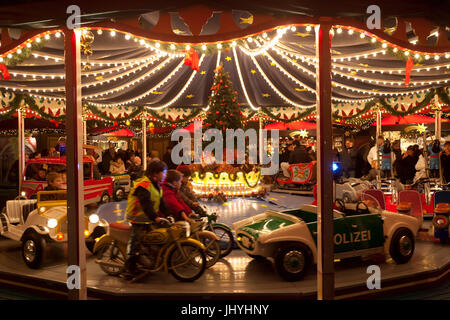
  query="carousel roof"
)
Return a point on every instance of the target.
[
  {"x": 275, "y": 68},
  {"x": 129, "y": 71}
]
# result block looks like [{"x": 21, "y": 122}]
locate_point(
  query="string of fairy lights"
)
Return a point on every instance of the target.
[{"x": 161, "y": 54}]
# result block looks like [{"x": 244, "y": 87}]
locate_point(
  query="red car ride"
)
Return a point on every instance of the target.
[{"x": 34, "y": 179}]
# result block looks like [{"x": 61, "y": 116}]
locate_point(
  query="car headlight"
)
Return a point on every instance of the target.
[
  {"x": 42, "y": 209},
  {"x": 52, "y": 223},
  {"x": 93, "y": 218}
]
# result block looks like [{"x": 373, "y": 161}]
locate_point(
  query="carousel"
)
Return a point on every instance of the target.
[{"x": 143, "y": 75}]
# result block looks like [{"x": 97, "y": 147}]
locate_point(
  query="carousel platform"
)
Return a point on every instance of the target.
[{"x": 237, "y": 275}]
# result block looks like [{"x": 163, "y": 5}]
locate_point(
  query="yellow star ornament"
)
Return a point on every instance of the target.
[{"x": 228, "y": 58}]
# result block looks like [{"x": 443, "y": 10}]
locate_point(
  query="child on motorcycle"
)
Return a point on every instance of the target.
[
  {"x": 186, "y": 193},
  {"x": 145, "y": 207},
  {"x": 172, "y": 197}
]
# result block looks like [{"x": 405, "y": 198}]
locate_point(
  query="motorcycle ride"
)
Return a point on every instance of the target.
[{"x": 164, "y": 248}]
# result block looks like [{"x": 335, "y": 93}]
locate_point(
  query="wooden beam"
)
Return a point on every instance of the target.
[
  {"x": 325, "y": 227},
  {"x": 74, "y": 156},
  {"x": 21, "y": 141},
  {"x": 144, "y": 143}
]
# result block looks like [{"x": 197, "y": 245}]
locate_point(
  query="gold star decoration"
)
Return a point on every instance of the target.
[
  {"x": 272, "y": 63},
  {"x": 300, "y": 89},
  {"x": 203, "y": 72},
  {"x": 353, "y": 72},
  {"x": 421, "y": 128},
  {"x": 156, "y": 92},
  {"x": 253, "y": 71},
  {"x": 189, "y": 96},
  {"x": 294, "y": 61},
  {"x": 228, "y": 58},
  {"x": 99, "y": 78},
  {"x": 266, "y": 95},
  {"x": 248, "y": 20},
  {"x": 303, "y": 133}
]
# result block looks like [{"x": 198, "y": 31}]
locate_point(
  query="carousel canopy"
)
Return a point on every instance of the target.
[{"x": 125, "y": 73}]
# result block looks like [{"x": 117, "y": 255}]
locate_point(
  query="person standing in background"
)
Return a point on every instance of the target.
[
  {"x": 406, "y": 167},
  {"x": 167, "y": 158},
  {"x": 445, "y": 162},
  {"x": 372, "y": 157},
  {"x": 434, "y": 150},
  {"x": 347, "y": 157},
  {"x": 108, "y": 156}
]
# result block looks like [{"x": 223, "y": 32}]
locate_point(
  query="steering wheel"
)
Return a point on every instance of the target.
[
  {"x": 340, "y": 204},
  {"x": 361, "y": 210}
]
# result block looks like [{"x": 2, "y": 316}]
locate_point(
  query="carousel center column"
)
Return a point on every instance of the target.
[
  {"x": 21, "y": 138},
  {"x": 325, "y": 227},
  {"x": 74, "y": 158},
  {"x": 144, "y": 141}
]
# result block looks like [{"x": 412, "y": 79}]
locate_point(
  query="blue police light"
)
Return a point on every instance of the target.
[
  {"x": 335, "y": 166},
  {"x": 337, "y": 170}
]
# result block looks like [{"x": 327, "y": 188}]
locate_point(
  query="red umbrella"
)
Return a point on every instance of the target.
[
  {"x": 410, "y": 119},
  {"x": 296, "y": 125},
  {"x": 120, "y": 133},
  {"x": 276, "y": 126}
]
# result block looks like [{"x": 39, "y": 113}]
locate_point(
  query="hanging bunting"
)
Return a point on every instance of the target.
[
  {"x": 4, "y": 72},
  {"x": 409, "y": 66},
  {"x": 191, "y": 59}
]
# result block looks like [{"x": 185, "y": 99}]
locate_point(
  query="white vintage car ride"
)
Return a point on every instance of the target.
[
  {"x": 36, "y": 222},
  {"x": 290, "y": 237}
]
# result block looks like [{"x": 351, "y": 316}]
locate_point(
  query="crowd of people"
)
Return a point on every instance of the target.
[
  {"x": 389, "y": 160},
  {"x": 384, "y": 157},
  {"x": 294, "y": 150}
]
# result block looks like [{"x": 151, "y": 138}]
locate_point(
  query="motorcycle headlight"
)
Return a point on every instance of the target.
[
  {"x": 52, "y": 223},
  {"x": 93, "y": 218}
]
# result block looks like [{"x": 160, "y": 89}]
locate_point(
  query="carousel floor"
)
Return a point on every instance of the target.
[{"x": 237, "y": 275}]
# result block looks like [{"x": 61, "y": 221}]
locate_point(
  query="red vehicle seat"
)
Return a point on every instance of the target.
[{"x": 119, "y": 226}]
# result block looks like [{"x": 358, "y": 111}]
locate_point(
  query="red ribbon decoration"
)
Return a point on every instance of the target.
[
  {"x": 4, "y": 72},
  {"x": 55, "y": 123},
  {"x": 191, "y": 59},
  {"x": 409, "y": 66}
]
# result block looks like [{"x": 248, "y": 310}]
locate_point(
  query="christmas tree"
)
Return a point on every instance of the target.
[{"x": 224, "y": 112}]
